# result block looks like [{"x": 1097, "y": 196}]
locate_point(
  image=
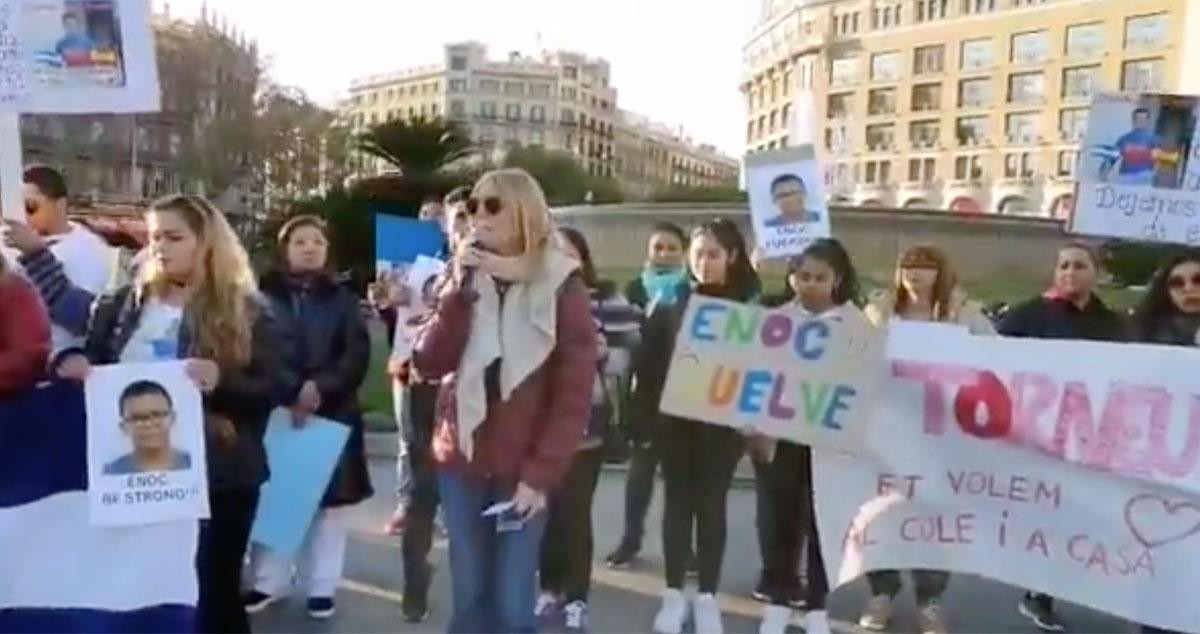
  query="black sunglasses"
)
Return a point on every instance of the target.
[
  {"x": 492, "y": 204},
  {"x": 1177, "y": 282}
]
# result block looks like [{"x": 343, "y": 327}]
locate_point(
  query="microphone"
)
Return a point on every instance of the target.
[{"x": 467, "y": 283}]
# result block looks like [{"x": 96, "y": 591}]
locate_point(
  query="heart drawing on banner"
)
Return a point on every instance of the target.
[{"x": 1156, "y": 521}]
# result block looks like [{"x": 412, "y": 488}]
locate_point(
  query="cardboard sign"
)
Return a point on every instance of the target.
[
  {"x": 1139, "y": 176},
  {"x": 146, "y": 460},
  {"x": 787, "y": 200},
  {"x": 777, "y": 372},
  {"x": 1048, "y": 465}
]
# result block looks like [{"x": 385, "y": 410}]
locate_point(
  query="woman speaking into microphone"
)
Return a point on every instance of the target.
[{"x": 513, "y": 338}]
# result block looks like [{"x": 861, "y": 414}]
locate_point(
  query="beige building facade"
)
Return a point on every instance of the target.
[
  {"x": 560, "y": 101},
  {"x": 968, "y": 105}
]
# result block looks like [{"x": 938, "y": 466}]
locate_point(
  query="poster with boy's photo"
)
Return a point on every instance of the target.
[
  {"x": 787, "y": 200},
  {"x": 1136, "y": 177},
  {"x": 145, "y": 445}
]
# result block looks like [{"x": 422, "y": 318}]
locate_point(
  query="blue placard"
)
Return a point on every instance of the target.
[
  {"x": 400, "y": 239},
  {"x": 302, "y": 460}
]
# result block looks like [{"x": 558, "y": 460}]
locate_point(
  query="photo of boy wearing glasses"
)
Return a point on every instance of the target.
[
  {"x": 147, "y": 416},
  {"x": 789, "y": 194}
]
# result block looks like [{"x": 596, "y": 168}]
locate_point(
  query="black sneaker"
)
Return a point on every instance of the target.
[
  {"x": 1039, "y": 608},
  {"x": 415, "y": 608},
  {"x": 623, "y": 557},
  {"x": 760, "y": 593},
  {"x": 255, "y": 602},
  {"x": 320, "y": 608}
]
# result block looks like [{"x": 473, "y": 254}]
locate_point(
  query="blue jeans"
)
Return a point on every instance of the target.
[{"x": 493, "y": 575}]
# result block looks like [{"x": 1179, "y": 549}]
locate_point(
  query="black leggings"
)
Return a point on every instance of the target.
[
  {"x": 566, "y": 557},
  {"x": 795, "y": 525},
  {"x": 223, "y": 541},
  {"x": 698, "y": 462},
  {"x": 422, "y": 509}
]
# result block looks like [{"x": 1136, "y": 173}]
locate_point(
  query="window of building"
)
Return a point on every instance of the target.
[
  {"x": 968, "y": 168},
  {"x": 839, "y": 105},
  {"x": 489, "y": 86},
  {"x": 773, "y": 120},
  {"x": 837, "y": 139},
  {"x": 541, "y": 91},
  {"x": 785, "y": 115},
  {"x": 843, "y": 71},
  {"x": 537, "y": 137},
  {"x": 885, "y": 66},
  {"x": 1026, "y": 87},
  {"x": 975, "y": 93},
  {"x": 1021, "y": 127},
  {"x": 971, "y": 130},
  {"x": 1080, "y": 82},
  {"x": 928, "y": 60},
  {"x": 925, "y": 10},
  {"x": 487, "y": 109},
  {"x": 926, "y": 97},
  {"x": 881, "y": 101},
  {"x": 1085, "y": 40},
  {"x": 458, "y": 62},
  {"x": 1030, "y": 48},
  {"x": 881, "y": 136},
  {"x": 1020, "y": 165},
  {"x": 568, "y": 116},
  {"x": 1072, "y": 123},
  {"x": 570, "y": 72},
  {"x": 412, "y": 90},
  {"x": 512, "y": 112},
  {"x": 514, "y": 88},
  {"x": 1067, "y": 160},
  {"x": 922, "y": 170},
  {"x": 1146, "y": 31},
  {"x": 970, "y": 7},
  {"x": 787, "y": 83},
  {"x": 537, "y": 114},
  {"x": 774, "y": 90},
  {"x": 458, "y": 85},
  {"x": 749, "y": 132},
  {"x": 924, "y": 134},
  {"x": 878, "y": 172},
  {"x": 1144, "y": 75},
  {"x": 978, "y": 54},
  {"x": 569, "y": 94},
  {"x": 458, "y": 108}
]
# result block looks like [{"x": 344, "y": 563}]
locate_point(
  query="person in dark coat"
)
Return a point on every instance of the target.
[
  {"x": 1069, "y": 310},
  {"x": 326, "y": 351},
  {"x": 196, "y": 301}
]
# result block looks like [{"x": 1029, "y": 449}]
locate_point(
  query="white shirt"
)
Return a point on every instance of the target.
[{"x": 157, "y": 335}]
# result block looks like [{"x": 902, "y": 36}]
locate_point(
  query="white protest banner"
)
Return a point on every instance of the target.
[
  {"x": 145, "y": 445},
  {"x": 1064, "y": 467},
  {"x": 1139, "y": 176},
  {"x": 777, "y": 372},
  {"x": 787, "y": 200}
]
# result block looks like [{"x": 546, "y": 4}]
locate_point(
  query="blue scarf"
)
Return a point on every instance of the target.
[{"x": 663, "y": 285}]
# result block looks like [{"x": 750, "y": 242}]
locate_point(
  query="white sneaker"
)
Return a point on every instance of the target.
[
  {"x": 707, "y": 613},
  {"x": 878, "y": 614},
  {"x": 816, "y": 622},
  {"x": 575, "y": 616},
  {"x": 672, "y": 614},
  {"x": 775, "y": 620},
  {"x": 547, "y": 602}
]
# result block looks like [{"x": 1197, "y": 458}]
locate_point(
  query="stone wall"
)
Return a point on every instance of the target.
[{"x": 982, "y": 247}]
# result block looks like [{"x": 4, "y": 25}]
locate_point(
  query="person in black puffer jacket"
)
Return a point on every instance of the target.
[{"x": 325, "y": 356}]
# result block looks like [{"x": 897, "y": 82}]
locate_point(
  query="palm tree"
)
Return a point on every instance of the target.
[{"x": 416, "y": 146}]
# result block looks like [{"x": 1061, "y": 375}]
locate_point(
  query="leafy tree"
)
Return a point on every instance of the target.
[
  {"x": 416, "y": 146},
  {"x": 1133, "y": 263},
  {"x": 562, "y": 178},
  {"x": 682, "y": 194}
]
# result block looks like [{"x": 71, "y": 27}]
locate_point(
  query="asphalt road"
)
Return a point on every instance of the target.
[{"x": 625, "y": 601}]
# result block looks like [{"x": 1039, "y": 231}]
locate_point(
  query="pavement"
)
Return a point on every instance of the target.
[{"x": 368, "y": 600}]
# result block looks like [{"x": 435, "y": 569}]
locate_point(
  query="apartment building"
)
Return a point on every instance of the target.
[
  {"x": 560, "y": 100},
  {"x": 968, "y": 105}
]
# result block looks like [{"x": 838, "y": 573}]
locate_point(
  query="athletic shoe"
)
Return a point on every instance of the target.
[
  {"x": 622, "y": 558},
  {"x": 929, "y": 619},
  {"x": 776, "y": 619},
  {"x": 816, "y": 622},
  {"x": 672, "y": 614},
  {"x": 575, "y": 616},
  {"x": 707, "y": 614},
  {"x": 878, "y": 613},
  {"x": 1039, "y": 608},
  {"x": 415, "y": 608},
  {"x": 320, "y": 608},
  {"x": 547, "y": 604},
  {"x": 255, "y": 602}
]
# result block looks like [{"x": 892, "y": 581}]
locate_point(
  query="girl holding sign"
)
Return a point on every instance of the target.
[
  {"x": 825, "y": 285},
  {"x": 698, "y": 459},
  {"x": 197, "y": 300}
]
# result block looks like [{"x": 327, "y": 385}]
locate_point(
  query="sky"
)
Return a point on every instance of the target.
[{"x": 675, "y": 61}]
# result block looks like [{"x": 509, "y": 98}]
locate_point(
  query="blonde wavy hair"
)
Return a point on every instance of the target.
[
  {"x": 516, "y": 187},
  {"x": 221, "y": 315}
]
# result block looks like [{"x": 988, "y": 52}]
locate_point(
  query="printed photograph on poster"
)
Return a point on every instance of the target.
[
  {"x": 77, "y": 56},
  {"x": 145, "y": 441},
  {"x": 787, "y": 200},
  {"x": 1136, "y": 173}
]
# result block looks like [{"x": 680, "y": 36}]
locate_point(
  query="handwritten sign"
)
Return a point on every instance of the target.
[
  {"x": 787, "y": 200},
  {"x": 777, "y": 372},
  {"x": 145, "y": 440},
  {"x": 1139, "y": 173},
  {"x": 1030, "y": 462}
]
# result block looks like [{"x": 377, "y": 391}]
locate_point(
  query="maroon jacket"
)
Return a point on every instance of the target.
[
  {"x": 24, "y": 335},
  {"x": 531, "y": 437}
]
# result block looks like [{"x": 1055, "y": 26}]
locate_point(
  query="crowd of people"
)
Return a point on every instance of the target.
[{"x": 508, "y": 377}]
